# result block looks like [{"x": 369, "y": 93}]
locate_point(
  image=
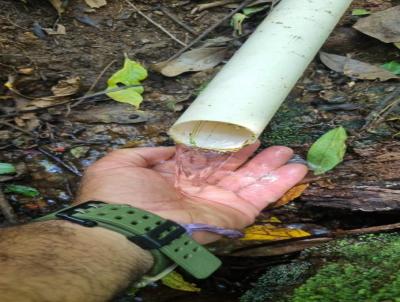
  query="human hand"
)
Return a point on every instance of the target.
[{"x": 144, "y": 178}]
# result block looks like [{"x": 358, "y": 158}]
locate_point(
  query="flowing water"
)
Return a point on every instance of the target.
[{"x": 195, "y": 168}]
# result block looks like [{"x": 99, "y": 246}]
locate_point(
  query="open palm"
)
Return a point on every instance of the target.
[{"x": 144, "y": 178}]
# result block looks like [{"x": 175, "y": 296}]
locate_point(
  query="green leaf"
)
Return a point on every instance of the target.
[
  {"x": 360, "y": 12},
  {"x": 248, "y": 11},
  {"x": 21, "y": 190},
  {"x": 327, "y": 151},
  {"x": 175, "y": 280},
  {"x": 131, "y": 74},
  {"x": 393, "y": 67},
  {"x": 236, "y": 22},
  {"x": 6, "y": 168}
]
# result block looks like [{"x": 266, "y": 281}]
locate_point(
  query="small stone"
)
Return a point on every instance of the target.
[
  {"x": 314, "y": 88},
  {"x": 338, "y": 99}
]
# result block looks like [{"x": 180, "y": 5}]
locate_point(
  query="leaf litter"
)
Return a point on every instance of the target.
[
  {"x": 192, "y": 60},
  {"x": 355, "y": 68}
]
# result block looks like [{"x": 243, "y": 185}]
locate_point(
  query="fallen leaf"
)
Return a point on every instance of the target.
[
  {"x": 384, "y": 25},
  {"x": 192, "y": 60},
  {"x": 272, "y": 233},
  {"x": 84, "y": 19},
  {"x": 251, "y": 10},
  {"x": 272, "y": 219},
  {"x": 131, "y": 74},
  {"x": 355, "y": 68},
  {"x": 58, "y": 5},
  {"x": 328, "y": 151},
  {"x": 80, "y": 151},
  {"x": 397, "y": 44},
  {"x": 360, "y": 12},
  {"x": 6, "y": 168},
  {"x": 290, "y": 195},
  {"x": 68, "y": 86},
  {"x": 95, "y": 3},
  {"x": 393, "y": 67},
  {"x": 175, "y": 280},
  {"x": 60, "y": 30},
  {"x": 26, "y": 71},
  {"x": 21, "y": 190}
]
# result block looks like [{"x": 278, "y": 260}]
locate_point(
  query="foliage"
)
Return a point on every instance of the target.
[
  {"x": 131, "y": 74},
  {"x": 327, "y": 151},
  {"x": 21, "y": 190},
  {"x": 236, "y": 23},
  {"x": 392, "y": 66},
  {"x": 6, "y": 168},
  {"x": 272, "y": 285},
  {"x": 360, "y": 12},
  {"x": 175, "y": 280},
  {"x": 365, "y": 269}
]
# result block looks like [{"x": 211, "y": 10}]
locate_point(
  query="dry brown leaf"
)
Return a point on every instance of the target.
[
  {"x": 384, "y": 25},
  {"x": 58, "y": 5},
  {"x": 290, "y": 195},
  {"x": 60, "y": 30},
  {"x": 66, "y": 86},
  {"x": 356, "y": 68},
  {"x": 272, "y": 233},
  {"x": 26, "y": 70},
  {"x": 192, "y": 60},
  {"x": 95, "y": 3}
]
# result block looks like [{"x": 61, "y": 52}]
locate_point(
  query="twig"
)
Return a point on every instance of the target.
[
  {"x": 210, "y": 29},
  {"x": 100, "y": 76},
  {"x": 382, "y": 110},
  {"x": 175, "y": 18},
  {"x": 162, "y": 28},
  {"x": 70, "y": 100},
  {"x": 70, "y": 168},
  {"x": 17, "y": 128},
  {"x": 370, "y": 230},
  {"x": 6, "y": 209}
]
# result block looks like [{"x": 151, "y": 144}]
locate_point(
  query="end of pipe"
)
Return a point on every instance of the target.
[{"x": 211, "y": 135}]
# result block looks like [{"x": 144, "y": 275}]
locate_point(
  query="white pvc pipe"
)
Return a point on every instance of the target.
[{"x": 238, "y": 103}]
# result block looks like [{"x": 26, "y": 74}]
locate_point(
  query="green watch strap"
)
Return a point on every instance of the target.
[{"x": 148, "y": 231}]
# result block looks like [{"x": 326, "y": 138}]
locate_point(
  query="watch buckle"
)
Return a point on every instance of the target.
[{"x": 152, "y": 240}]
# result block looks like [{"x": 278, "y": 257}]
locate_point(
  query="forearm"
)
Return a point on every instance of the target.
[{"x": 61, "y": 261}]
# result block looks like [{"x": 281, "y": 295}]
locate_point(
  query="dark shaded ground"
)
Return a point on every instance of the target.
[{"x": 321, "y": 100}]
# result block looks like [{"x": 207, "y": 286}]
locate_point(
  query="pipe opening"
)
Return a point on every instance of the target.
[{"x": 210, "y": 135}]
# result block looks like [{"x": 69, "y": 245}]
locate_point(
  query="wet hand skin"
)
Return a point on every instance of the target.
[{"x": 144, "y": 178}]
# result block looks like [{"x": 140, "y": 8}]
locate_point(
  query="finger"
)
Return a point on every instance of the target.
[
  {"x": 265, "y": 162},
  {"x": 137, "y": 157},
  {"x": 273, "y": 186},
  {"x": 233, "y": 162}
]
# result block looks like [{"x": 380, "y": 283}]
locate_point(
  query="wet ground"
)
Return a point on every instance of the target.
[{"x": 51, "y": 147}]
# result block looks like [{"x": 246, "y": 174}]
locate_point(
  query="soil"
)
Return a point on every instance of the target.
[{"x": 93, "y": 40}]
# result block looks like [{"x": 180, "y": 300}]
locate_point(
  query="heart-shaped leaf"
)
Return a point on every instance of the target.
[
  {"x": 131, "y": 74},
  {"x": 327, "y": 151}
]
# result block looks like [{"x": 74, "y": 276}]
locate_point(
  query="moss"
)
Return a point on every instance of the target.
[
  {"x": 363, "y": 269},
  {"x": 271, "y": 285},
  {"x": 287, "y": 126}
]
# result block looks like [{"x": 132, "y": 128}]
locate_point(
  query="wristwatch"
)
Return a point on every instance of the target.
[{"x": 165, "y": 239}]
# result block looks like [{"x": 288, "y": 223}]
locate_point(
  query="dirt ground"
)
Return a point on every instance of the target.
[{"x": 362, "y": 192}]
